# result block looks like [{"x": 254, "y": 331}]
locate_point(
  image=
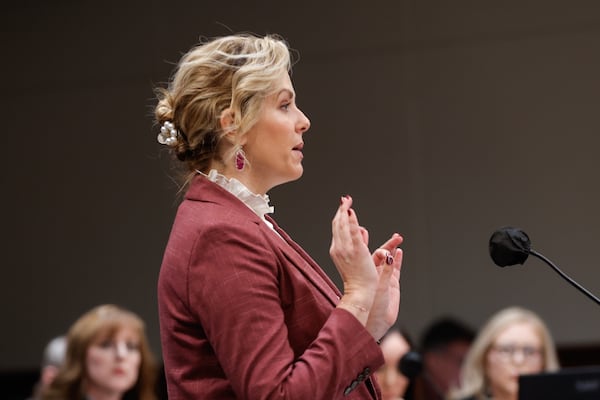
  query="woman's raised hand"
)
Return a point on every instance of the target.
[
  {"x": 353, "y": 261},
  {"x": 384, "y": 311},
  {"x": 371, "y": 281}
]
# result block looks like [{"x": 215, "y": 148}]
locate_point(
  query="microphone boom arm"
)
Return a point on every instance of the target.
[{"x": 558, "y": 271}]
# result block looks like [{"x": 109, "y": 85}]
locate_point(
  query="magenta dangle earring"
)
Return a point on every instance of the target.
[{"x": 240, "y": 159}]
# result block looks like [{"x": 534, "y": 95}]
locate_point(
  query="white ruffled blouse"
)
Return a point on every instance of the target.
[{"x": 256, "y": 202}]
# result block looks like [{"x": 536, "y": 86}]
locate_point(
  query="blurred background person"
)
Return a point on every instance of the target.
[
  {"x": 107, "y": 358},
  {"x": 52, "y": 359},
  {"x": 443, "y": 347},
  {"x": 393, "y": 383},
  {"x": 513, "y": 342}
]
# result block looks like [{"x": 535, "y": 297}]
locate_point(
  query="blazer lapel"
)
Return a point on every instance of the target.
[
  {"x": 306, "y": 264},
  {"x": 201, "y": 189}
]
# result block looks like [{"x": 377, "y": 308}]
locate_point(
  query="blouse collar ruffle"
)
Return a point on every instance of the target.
[{"x": 256, "y": 202}]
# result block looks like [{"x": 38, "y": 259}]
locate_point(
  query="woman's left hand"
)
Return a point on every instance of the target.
[{"x": 388, "y": 262}]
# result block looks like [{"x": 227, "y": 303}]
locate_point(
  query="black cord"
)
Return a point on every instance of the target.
[{"x": 571, "y": 281}]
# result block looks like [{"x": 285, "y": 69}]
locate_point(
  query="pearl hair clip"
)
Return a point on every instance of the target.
[{"x": 168, "y": 134}]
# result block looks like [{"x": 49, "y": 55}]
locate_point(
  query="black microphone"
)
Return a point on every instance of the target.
[
  {"x": 410, "y": 365},
  {"x": 510, "y": 246}
]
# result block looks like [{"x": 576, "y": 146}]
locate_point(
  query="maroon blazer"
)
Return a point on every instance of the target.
[{"x": 247, "y": 314}]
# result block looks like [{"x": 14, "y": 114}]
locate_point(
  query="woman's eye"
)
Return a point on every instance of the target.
[
  {"x": 132, "y": 346},
  {"x": 105, "y": 344},
  {"x": 285, "y": 106}
]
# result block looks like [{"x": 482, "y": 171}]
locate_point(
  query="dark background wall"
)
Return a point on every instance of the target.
[{"x": 443, "y": 120}]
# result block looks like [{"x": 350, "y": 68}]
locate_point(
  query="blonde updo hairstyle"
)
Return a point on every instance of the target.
[
  {"x": 235, "y": 72},
  {"x": 473, "y": 375}
]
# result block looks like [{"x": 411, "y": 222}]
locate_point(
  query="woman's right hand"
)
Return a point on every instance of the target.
[{"x": 353, "y": 260}]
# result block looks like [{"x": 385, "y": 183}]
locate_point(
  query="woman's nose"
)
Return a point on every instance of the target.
[
  {"x": 303, "y": 122},
  {"x": 121, "y": 349},
  {"x": 518, "y": 357}
]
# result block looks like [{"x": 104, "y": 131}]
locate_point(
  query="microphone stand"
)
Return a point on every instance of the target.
[{"x": 571, "y": 281}]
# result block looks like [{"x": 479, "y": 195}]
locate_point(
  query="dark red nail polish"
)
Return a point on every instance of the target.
[{"x": 389, "y": 259}]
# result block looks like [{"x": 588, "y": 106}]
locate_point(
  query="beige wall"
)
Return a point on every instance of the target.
[{"x": 444, "y": 121}]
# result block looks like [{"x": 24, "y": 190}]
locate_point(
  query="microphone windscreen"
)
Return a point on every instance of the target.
[
  {"x": 509, "y": 246},
  {"x": 410, "y": 365}
]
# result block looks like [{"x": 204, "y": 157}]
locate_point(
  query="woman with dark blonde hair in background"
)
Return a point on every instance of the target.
[
  {"x": 108, "y": 358},
  {"x": 514, "y": 341}
]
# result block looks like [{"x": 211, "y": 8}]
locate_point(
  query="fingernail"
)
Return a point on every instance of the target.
[
  {"x": 389, "y": 260},
  {"x": 341, "y": 200}
]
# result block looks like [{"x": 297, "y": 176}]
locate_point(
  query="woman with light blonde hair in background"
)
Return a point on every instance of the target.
[
  {"x": 515, "y": 341},
  {"x": 108, "y": 358}
]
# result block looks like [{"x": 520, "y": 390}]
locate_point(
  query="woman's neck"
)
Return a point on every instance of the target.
[
  {"x": 102, "y": 394},
  {"x": 504, "y": 396}
]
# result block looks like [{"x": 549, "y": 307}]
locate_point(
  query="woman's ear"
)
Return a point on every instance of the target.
[
  {"x": 228, "y": 126},
  {"x": 226, "y": 120}
]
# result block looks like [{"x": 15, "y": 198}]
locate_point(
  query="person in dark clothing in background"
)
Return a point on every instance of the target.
[{"x": 443, "y": 347}]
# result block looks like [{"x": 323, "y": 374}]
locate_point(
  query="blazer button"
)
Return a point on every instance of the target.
[
  {"x": 350, "y": 388},
  {"x": 363, "y": 375}
]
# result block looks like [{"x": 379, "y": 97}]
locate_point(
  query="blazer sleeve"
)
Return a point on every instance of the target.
[{"x": 233, "y": 288}]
